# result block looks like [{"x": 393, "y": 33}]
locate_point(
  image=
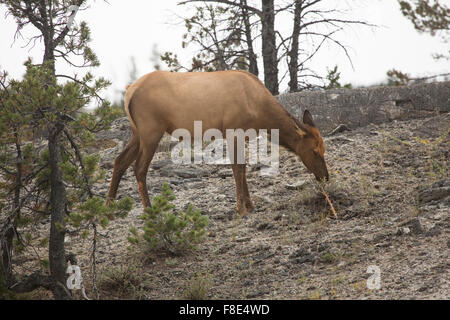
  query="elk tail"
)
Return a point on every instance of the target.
[{"x": 129, "y": 91}]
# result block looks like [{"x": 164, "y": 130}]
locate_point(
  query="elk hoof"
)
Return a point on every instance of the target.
[
  {"x": 242, "y": 212},
  {"x": 250, "y": 207}
]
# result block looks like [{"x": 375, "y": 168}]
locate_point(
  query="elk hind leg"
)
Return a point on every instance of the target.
[
  {"x": 144, "y": 157},
  {"x": 121, "y": 164}
]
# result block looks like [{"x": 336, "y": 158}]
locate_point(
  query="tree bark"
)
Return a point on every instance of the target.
[
  {"x": 269, "y": 49},
  {"x": 58, "y": 201},
  {"x": 7, "y": 234},
  {"x": 252, "y": 59},
  {"x": 293, "y": 52}
]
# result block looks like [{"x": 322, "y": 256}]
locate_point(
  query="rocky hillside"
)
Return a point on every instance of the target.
[{"x": 391, "y": 191}]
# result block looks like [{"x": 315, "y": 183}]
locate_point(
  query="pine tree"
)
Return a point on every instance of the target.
[
  {"x": 44, "y": 129},
  {"x": 429, "y": 16}
]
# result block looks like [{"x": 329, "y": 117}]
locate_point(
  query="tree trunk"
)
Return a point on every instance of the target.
[
  {"x": 7, "y": 234},
  {"x": 58, "y": 200},
  {"x": 269, "y": 49},
  {"x": 49, "y": 56},
  {"x": 252, "y": 59},
  {"x": 6, "y": 252},
  {"x": 293, "y": 53},
  {"x": 58, "y": 211}
]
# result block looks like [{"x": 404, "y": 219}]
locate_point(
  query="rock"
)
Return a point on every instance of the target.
[
  {"x": 160, "y": 164},
  {"x": 297, "y": 185},
  {"x": 322, "y": 247},
  {"x": 440, "y": 214},
  {"x": 434, "y": 194},
  {"x": 302, "y": 255},
  {"x": 444, "y": 203},
  {"x": 188, "y": 173},
  {"x": 278, "y": 217},
  {"x": 264, "y": 255},
  {"x": 176, "y": 182},
  {"x": 402, "y": 231},
  {"x": 171, "y": 170},
  {"x": 380, "y": 237},
  {"x": 354, "y": 210},
  {"x": 264, "y": 226},
  {"x": 363, "y": 106},
  {"x": 166, "y": 171},
  {"x": 120, "y": 130},
  {"x": 387, "y": 163},
  {"x": 340, "y": 140},
  {"x": 424, "y": 288},
  {"x": 305, "y": 259},
  {"x": 434, "y": 231},
  {"x": 225, "y": 248},
  {"x": 257, "y": 293},
  {"x": 438, "y": 190},
  {"x": 415, "y": 226},
  {"x": 258, "y": 166},
  {"x": 108, "y": 156},
  {"x": 225, "y": 173},
  {"x": 383, "y": 244},
  {"x": 243, "y": 239}
]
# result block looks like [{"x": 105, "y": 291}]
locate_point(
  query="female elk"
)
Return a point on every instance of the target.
[{"x": 163, "y": 102}]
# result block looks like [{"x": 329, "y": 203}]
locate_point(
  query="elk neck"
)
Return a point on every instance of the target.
[{"x": 289, "y": 127}]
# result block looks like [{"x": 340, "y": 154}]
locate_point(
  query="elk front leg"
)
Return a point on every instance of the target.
[
  {"x": 238, "y": 174},
  {"x": 248, "y": 202}
]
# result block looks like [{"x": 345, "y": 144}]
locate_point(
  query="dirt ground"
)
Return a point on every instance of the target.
[{"x": 390, "y": 187}]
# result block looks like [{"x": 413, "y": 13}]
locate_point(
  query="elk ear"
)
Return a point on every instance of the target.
[{"x": 307, "y": 119}]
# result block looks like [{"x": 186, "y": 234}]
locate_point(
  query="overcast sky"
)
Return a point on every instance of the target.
[{"x": 125, "y": 29}]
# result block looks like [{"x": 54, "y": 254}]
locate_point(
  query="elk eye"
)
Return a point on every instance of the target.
[{"x": 315, "y": 152}]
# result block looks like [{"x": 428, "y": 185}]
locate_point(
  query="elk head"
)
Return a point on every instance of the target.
[{"x": 311, "y": 148}]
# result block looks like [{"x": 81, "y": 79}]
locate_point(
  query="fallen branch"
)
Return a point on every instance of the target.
[
  {"x": 329, "y": 202},
  {"x": 340, "y": 128},
  {"x": 31, "y": 282}
]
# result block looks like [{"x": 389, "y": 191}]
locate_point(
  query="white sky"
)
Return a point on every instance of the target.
[{"x": 124, "y": 29}]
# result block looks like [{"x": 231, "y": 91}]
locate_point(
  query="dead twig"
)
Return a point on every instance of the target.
[{"x": 329, "y": 202}]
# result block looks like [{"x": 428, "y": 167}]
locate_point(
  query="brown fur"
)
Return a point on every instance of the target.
[{"x": 163, "y": 102}]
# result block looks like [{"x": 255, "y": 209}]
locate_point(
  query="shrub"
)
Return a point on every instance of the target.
[
  {"x": 197, "y": 287},
  {"x": 126, "y": 282},
  {"x": 164, "y": 227}
]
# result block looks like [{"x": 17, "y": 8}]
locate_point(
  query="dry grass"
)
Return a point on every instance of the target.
[
  {"x": 198, "y": 287},
  {"x": 124, "y": 282}
]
